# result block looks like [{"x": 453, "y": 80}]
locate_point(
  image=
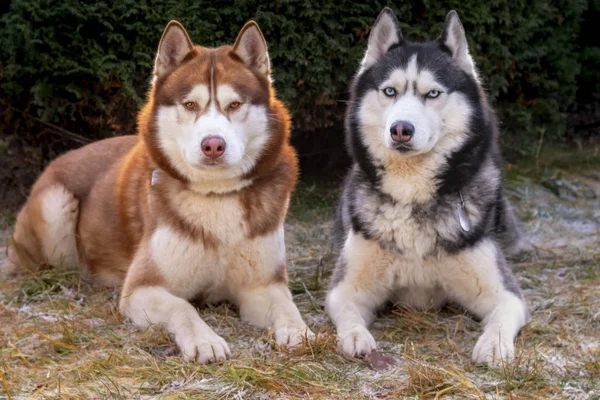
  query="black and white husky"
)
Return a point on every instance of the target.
[{"x": 423, "y": 217}]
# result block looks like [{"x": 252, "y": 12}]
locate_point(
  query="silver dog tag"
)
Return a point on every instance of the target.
[
  {"x": 463, "y": 219},
  {"x": 154, "y": 179}
]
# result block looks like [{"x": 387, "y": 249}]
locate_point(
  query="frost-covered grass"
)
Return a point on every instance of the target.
[{"x": 60, "y": 338}]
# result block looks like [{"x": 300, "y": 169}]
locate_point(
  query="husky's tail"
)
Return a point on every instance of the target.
[{"x": 45, "y": 231}]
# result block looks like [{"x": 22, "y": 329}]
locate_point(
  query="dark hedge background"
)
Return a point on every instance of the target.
[{"x": 75, "y": 71}]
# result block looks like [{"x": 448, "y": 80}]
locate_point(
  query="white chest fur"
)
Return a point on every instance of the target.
[
  {"x": 187, "y": 266},
  {"x": 220, "y": 216},
  {"x": 367, "y": 261},
  {"x": 210, "y": 251},
  {"x": 397, "y": 225},
  {"x": 190, "y": 269},
  {"x": 191, "y": 262},
  {"x": 394, "y": 226},
  {"x": 408, "y": 226}
]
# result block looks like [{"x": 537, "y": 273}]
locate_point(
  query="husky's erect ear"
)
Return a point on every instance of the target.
[
  {"x": 251, "y": 47},
  {"x": 174, "y": 45},
  {"x": 455, "y": 40},
  {"x": 384, "y": 34}
]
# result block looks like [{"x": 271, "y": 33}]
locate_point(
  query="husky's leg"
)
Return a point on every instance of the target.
[
  {"x": 258, "y": 283},
  {"x": 145, "y": 301},
  {"x": 480, "y": 280},
  {"x": 509, "y": 230},
  {"x": 272, "y": 306},
  {"x": 359, "y": 286},
  {"x": 45, "y": 232}
]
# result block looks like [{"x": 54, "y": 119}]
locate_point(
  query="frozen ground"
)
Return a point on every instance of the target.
[{"x": 61, "y": 339}]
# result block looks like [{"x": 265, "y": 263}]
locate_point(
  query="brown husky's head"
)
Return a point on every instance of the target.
[{"x": 212, "y": 114}]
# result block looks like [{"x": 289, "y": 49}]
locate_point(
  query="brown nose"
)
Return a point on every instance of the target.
[
  {"x": 213, "y": 146},
  {"x": 402, "y": 131}
]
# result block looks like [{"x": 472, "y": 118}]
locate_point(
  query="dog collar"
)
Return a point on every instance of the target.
[{"x": 461, "y": 214}]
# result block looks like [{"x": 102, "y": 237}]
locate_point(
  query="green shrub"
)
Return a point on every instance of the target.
[{"x": 85, "y": 65}]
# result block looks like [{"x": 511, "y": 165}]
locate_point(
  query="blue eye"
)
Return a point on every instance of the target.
[
  {"x": 433, "y": 94},
  {"x": 389, "y": 91}
]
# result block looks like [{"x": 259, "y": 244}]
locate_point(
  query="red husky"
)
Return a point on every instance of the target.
[{"x": 192, "y": 206}]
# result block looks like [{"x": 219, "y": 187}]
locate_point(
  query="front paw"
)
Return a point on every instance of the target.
[
  {"x": 204, "y": 348},
  {"x": 356, "y": 341},
  {"x": 493, "y": 349},
  {"x": 291, "y": 335}
]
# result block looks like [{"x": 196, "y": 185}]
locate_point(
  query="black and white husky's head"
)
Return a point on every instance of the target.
[{"x": 416, "y": 99}]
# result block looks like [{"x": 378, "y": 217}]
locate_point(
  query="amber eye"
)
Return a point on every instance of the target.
[
  {"x": 234, "y": 105},
  {"x": 190, "y": 105}
]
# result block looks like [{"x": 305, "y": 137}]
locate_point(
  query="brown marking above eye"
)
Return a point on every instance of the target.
[
  {"x": 190, "y": 105},
  {"x": 234, "y": 105}
]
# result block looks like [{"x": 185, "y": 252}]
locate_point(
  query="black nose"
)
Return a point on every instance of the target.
[{"x": 402, "y": 131}]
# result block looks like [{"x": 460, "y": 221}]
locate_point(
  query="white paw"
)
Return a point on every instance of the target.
[
  {"x": 493, "y": 348},
  {"x": 356, "y": 341},
  {"x": 292, "y": 335},
  {"x": 204, "y": 348}
]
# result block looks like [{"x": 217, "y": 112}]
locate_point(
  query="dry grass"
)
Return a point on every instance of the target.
[{"x": 60, "y": 338}]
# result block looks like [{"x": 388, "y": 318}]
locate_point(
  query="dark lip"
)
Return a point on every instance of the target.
[
  {"x": 403, "y": 148},
  {"x": 213, "y": 163}
]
